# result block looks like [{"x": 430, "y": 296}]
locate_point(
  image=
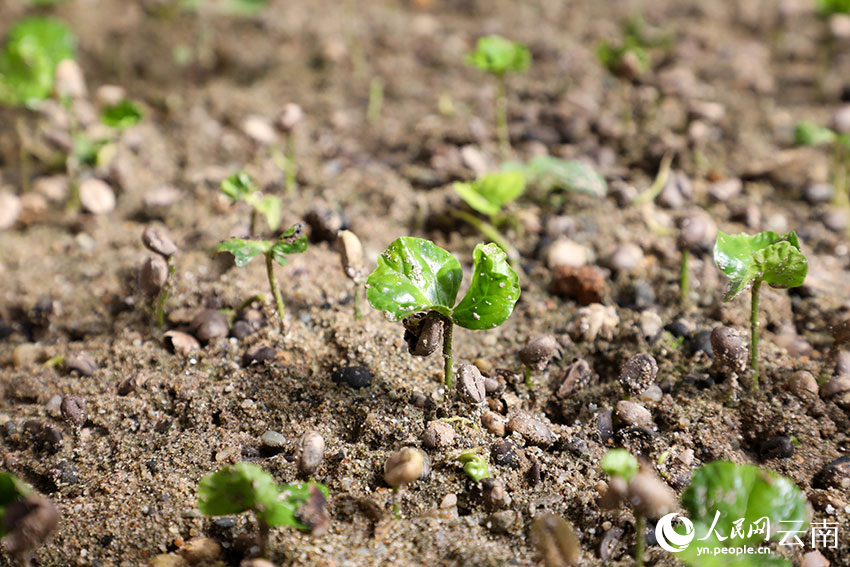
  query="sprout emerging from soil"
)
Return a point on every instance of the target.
[
  {"x": 121, "y": 115},
  {"x": 416, "y": 276},
  {"x": 489, "y": 195},
  {"x": 26, "y": 518},
  {"x": 555, "y": 540},
  {"x": 750, "y": 260},
  {"x": 403, "y": 467},
  {"x": 241, "y": 187},
  {"x": 158, "y": 271},
  {"x": 808, "y": 133},
  {"x": 293, "y": 241},
  {"x": 245, "y": 487},
  {"x": 696, "y": 234},
  {"x": 289, "y": 118},
  {"x": 499, "y": 56},
  {"x": 351, "y": 254},
  {"x": 630, "y": 58},
  {"x": 474, "y": 465},
  {"x": 537, "y": 354}
]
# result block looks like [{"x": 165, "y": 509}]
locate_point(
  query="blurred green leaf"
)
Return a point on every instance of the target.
[
  {"x": 490, "y": 193},
  {"x": 619, "y": 462},
  {"x": 497, "y": 55},
  {"x": 122, "y": 115},
  {"x": 807, "y": 133}
]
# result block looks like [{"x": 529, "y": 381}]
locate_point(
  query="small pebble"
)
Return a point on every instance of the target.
[
  {"x": 209, "y": 324},
  {"x": 803, "y": 384},
  {"x": 556, "y": 540},
  {"x": 626, "y": 258},
  {"x": 438, "y": 435},
  {"x": 503, "y": 453},
  {"x": 127, "y": 387},
  {"x": 725, "y": 190},
  {"x": 495, "y": 495},
  {"x": 259, "y": 129},
  {"x": 539, "y": 351},
  {"x": 404, "y": 467},
  {"x": 200, "y": 550},
  {"x": 697, "y": 232},
  {"x": 81, "y": 363},
  {"x": 69, "y": 80},
  {"x": 311, "y": 452},
  {"x": 96, "y": 196},
  {"x": 634, "y": 414},
  {"x": 565, "y": 252},
  {"x": 10, "y": 209},
  {"x": 75, "y": 410},
  {"x": 156, "y": 239},
  {"x": 291, "y": 115},
  {"x": 180, "y": 343},
  {"x": 779, "y": 447},
  {"x": 470, "y": 384},
  {"x": 494, "y": 423},
  {"x": 493, "y": 386},
  {"x": 677, "y": 190},
  {"x": 502, "y": 521},
  {"x": 585, "y": 284},
  {"x": 533, "y": 430},
  {"x": 650, "y": 324},
  {"x": 448, "y": 501},
  {"x": 638, "y": 373},
  {"x": 273, "y": 441},
  {"x": 593, "y": 322},
  {"x": 836, "y": 385},
  {"x": 52, "y": 187},
  {"x": 161, "y": 197},
  {"x": 258, "y": 353},
  {"x": 818, "y": 193},
  {"x": 701, "y": 342},
  {"x": 354, "y": 376}
]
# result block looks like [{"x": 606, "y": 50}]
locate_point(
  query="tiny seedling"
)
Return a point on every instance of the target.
[
  {"x": 293, "y": 241},
  {"x": 241, "y": 187},
  {"x": 351, "y": 254},
  {"x": 416, "y": 276},
  {"x": 158, "y": 271},
  {"x": 499, "y": 56},
  {"x": 489, "y": 195},
  {"x": 26, "y": 518},
  {"x": 808, "y": 133},
  {"x": 827, "y": 8},
  {"x": 546, "y": 174},
  {"x": 474, "y": 465},
  {"x": 738, "y": 505},
  {"x": 750, "y": 260},
  {"x": 634, "y": 47},
  {"x": 245, "y": 487},
  {"x": 122, "y": 115},
  {"x": 620, "y": 464}
]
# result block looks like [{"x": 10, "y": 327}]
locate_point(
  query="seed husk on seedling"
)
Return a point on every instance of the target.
[
  {"x": 750, "y": 260},
  {"x": 158, "y": 241},
  {"x": 244, "y": 487},
  {"x": 488, "y": 195},
  {"x": 535, "y": 356},
  {"x": 499, "y": 56},
  {"x": 351, "y": 254},
  {"x": 241, "y": 187},
  {"x": 293, "y": 241},
  {"x": 26, "y": 519},
  {"x": 415, "y": 275},
  {"x": 403, "y": 467}
]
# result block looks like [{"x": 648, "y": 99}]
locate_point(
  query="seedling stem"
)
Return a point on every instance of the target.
[
  {"x": 754, "y": 335},
  {"x": 278, "y": 298},
  {"x": 640, "y": 540},
  {"x": 502, "y": 116},
  {"x": 489, "y": 231},
  {"x": 447, "y": 350},
  {"x": 291, "y": 181},
  {"x": 23, "y": 154},
  {"x": 358, "y": 295},
  {"x": 527, "y": 375},
  {"x": 159, "y": 312},
  {"x": 263, "y": 542},
  {"x": 684, "y": 283}
]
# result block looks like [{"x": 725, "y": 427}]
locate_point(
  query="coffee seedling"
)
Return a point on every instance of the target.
[
  {"x": 26, "y": 518},
  {"x": 630, "y": 58},
  {"x": 474, "y": 465},
  {"x": 291, "y": 116},
  {"x": 648, "y": 495},
  {"x": 829, "y": 7},
  {"x": 351, "y": 254},
  {"x": 245, "y": 487},
  {"x": 808, "y": 133},
  {"x": 121, "y": 115},
  {"x": 499, "y": 56},
  {"x": 403, "y": 467},
  {"x": 736, "y": 505},
  {"x": 489, "y": 195},
  {"x": 241, "y": 187},
  {"x": 293, "y": 241},
  {"x": 750, "y": 260},
  {"x": 696, "y": 234},
  {"x": 537, "y": 354},
  {"x": 547, "y": 174},
  {"x": 158, "y": 271},
  {"x": 417, "y": 282}
]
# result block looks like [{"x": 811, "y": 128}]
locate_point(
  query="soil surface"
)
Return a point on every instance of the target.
[{"x": 722, "y": 95}]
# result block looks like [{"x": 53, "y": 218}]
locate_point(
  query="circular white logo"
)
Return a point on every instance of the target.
[{"x": 668, "y": 538}]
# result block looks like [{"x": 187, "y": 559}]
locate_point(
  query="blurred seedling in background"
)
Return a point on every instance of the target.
[
  {"x": 499, "y": 56},
  {"x": 351, "y": 254},
  {"x": 26, "y": 519},
  {"x": 417, "y": 282},
  {"x": 158, "y": 270},
  {"x": 697, "y": 233},
  {"x": 550, "y": 180},
  {"x": 827, "y": 8},
  {"x": 293, "y": 241},
  {"x": 241, "y": 187},
  {"x": 474, "y": 464},
  {"x": 750, "y": 260},
  {"x": 808, "y": 133},
  {"x": 291, "y": 116},
  {"x": 488, "y": 195},
  {"x": 245, "y": 487},
  {"x": 535, "y": 356},
  {"x": 630, "y": 57}
]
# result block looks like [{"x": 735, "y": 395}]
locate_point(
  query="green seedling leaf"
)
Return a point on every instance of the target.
[
  {"x": 808, "y": 133},
  {"x": 767, "y": 256},
  {"x": 293, "y": 241},
  {"x": 829, "y": 7},
  {"x": 740, "y": 492},
  {"x": 12, "y": 489},
  {"x": 497, "y": 55},
  {"x": 548, "y": 173},
  {"x": 240, "y": 186},
  {"x": 269, "y": 207},
  {"x": 283, "y": 510},
  {"x": 493, "y": 293},
  {"x": 122, "y": 115},
  {"x": 235, "y": 489},
  {"x": 619, "y": 462},
  {"x": 246, "y": 8},
  {"x": 33, "y": 49},
  {"x": 474, "y": 465},
  {"x": 490, "y": 193},
  {"x": 413, "y": 275}
]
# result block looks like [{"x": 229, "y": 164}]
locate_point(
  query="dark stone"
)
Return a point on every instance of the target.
[
  {"x": 503, "y": 452},
  {"x": 605, "y": 425},
  {"x": 209, "y": 324},
  {"x": 779, "y": 447},
  {"x": 678, "y": 328},
  {"x": 261, "y": 353},
  {"x": 701, "y": 342},
  {"x": 242, "y": 329},
  {"x": 354, "y": 376}
]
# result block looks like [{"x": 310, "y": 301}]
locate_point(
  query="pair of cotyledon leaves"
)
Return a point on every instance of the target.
[
  {"x": 414, "y": 275},
  {"x": 245, "y": 486},
  {"x": 293, "y": 241},
  {"x": 767, "y": 256},
  {"x": 241, "y": 187}
]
